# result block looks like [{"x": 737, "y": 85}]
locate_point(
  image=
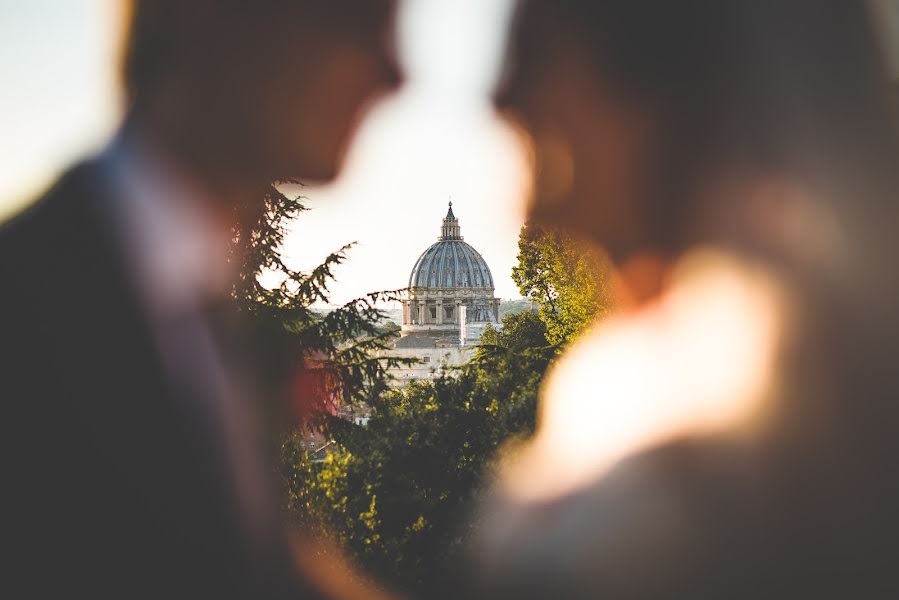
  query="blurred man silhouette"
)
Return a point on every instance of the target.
[
  {"x": 133, "y": 468},
  {"x": 733, "y": 433}
]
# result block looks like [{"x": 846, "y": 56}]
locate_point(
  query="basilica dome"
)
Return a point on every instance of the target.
[
  {"x": 450, "y": 288},
  {"x": 447, "y": 307},
  {"x": 450, "y": 262}
]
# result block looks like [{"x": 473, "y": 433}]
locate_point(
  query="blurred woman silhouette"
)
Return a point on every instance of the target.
[{"x": 734, "y": 430}]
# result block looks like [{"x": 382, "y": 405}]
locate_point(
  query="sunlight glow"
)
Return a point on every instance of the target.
[
  {"x": 438, "y": 138},
  {"x": 698, "y": 361}
]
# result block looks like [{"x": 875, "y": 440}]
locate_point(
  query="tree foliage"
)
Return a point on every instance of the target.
[
  {"x": 397, "y": 494},
  {"x": 564, "y": 277},
  {"x": 288, "y": 333},
  {"x": 520, "y": 332}
]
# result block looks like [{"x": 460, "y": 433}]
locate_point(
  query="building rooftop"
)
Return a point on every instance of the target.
[{"x": 451, "y": 262}]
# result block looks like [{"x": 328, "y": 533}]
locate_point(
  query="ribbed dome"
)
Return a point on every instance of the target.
[{"x": 450, "y": 263}]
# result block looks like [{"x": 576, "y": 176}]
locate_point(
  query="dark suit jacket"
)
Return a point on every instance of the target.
[{"x": 113, "y": 486}]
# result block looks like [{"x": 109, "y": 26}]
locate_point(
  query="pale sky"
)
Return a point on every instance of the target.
[
  {"x": 59, "y": 100},
  {"x": 437, "y": 138}
]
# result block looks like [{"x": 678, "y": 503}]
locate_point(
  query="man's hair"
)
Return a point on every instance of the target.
[
  {"x": 152, "y": 43},
  {"x": 161, "y": 31}
]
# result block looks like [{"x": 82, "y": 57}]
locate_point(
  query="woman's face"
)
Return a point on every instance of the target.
[{"x": 588, "y": 143}]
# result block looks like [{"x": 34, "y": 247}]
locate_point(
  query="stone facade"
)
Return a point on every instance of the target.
[
  {"x": 450, "y": 279},
  {"x": 431, "y": 362},
  {"x": 448, "y": 275}
]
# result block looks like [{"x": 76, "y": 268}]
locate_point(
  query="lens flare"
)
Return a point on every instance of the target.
[{"x": 697, "y": 361}]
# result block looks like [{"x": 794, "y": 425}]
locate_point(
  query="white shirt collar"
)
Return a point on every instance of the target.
[{"x": 178, "y": 250}]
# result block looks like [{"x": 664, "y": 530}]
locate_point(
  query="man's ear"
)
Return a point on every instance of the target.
[{"x": 159, "y": 34}]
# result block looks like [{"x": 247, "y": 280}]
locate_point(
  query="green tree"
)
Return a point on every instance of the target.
[
  {"x": 282, "y": 327},
  {"x": 515, "y": 305},
  {"x": 564, "y": 277},
  {"x": 399, "y": 493},
  {"x": 520, "y": 332}
]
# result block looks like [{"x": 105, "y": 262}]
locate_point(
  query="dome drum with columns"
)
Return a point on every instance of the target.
[{"x": 448, "y": 275}]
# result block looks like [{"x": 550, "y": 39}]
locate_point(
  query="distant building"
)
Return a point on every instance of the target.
[
  {"x": 450, "y": 302},
  {"x": 448, "y": 275}
]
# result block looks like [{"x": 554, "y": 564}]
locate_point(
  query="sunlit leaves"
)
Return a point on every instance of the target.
[{"x": 564, "y": 277}]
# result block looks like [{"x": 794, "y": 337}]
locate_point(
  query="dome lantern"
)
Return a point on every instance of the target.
[{"x": 450, "y": 229}]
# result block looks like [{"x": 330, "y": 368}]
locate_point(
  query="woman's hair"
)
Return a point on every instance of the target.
[
  {"x": 764, "y": 74},
  {"x": 794, "y": 87}
]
